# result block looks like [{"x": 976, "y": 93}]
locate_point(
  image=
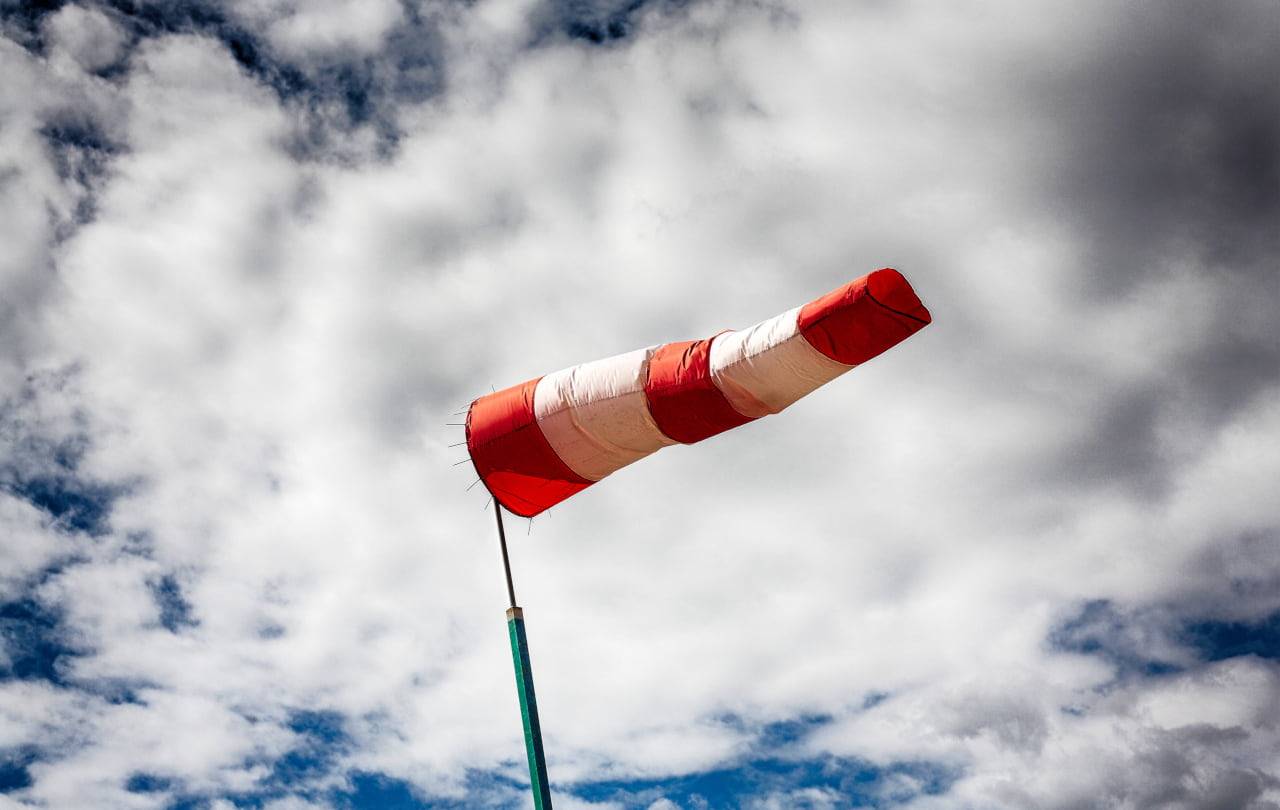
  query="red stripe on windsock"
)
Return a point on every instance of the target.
[
  {"x": 512, "y": 455},
  {"x": 863, "y": 318},
  {"x": 683, "y": 399}
]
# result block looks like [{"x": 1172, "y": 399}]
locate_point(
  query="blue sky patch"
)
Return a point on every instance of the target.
[
  {"x": 602, "y": 22},
  {"x": 1122, "y": 637},
  {"x": 1218, "y": 640},
  {"x": 147, "y": 783},
  {"x": 324, "y": 740},
  {"x": 1101, "y": 629},
  {"x": 851, "y": 782},
  {"x": 33, "y": 642},
  {"x": 14, "y": 774},
  {"x": 773, "y": 767},
  {"x": 74, "y": 504},
  {"x": 371, "y": 790},
  {"x": 175, "y": 610},
  {"x": 43, "y": 469}
]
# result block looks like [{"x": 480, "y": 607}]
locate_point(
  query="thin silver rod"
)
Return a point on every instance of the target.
[{"x": 506, "y": 561}]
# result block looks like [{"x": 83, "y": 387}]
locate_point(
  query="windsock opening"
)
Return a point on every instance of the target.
[{"x": 511, "y": 455}]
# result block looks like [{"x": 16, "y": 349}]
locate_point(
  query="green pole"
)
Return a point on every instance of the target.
[
  {"x": 524, "y": 684},
  {"x": 529, "y": 710}
]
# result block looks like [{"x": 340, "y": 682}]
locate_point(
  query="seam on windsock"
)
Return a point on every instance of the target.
[{"x": 883, "y": 305}]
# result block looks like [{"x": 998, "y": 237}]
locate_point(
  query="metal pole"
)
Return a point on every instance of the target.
[
  {"x": 524, "y": 683},
  {"x": 506, "y": 561}
]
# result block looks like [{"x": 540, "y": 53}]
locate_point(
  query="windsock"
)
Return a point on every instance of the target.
[{"x": 537, "y": 443}]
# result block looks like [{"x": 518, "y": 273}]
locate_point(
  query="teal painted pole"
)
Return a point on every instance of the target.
[
  {"x": 524, "y": 683},
  {"x": 529, "y": 711}
]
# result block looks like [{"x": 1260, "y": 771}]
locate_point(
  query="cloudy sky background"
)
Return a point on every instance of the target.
[{"x": 253, "y": 255}]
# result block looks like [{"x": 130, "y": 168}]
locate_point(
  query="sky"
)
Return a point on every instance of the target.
[{"x": 255, "y": 255}]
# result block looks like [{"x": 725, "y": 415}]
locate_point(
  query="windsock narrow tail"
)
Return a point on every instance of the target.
[{"x": 537, "y": 443}]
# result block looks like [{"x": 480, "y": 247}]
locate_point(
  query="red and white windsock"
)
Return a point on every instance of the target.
[{"x": 537, "y": 443}]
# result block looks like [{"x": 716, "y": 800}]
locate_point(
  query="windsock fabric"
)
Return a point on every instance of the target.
[{"x": 539, "y": 442}]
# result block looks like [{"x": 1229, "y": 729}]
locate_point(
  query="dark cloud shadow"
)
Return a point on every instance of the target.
[{"x": 1171, "y": 130}]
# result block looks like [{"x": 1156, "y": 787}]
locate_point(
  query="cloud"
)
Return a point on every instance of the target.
[
  {"x": 302, "y": 33},
  {"x": 1182, "y": 741},
  {"x": 254, "y": 256},
  {"x": 86, "y": 35}
]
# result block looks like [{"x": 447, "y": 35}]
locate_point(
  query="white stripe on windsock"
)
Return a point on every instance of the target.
[
  {"x": 765, "y": 368},
  {"x": 595, "y": 415}
]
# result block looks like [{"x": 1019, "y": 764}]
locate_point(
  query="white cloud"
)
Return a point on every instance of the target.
[
  {"x": 87, "y": 35},
  {"x": 1132, "y": 748},
  {"x": 807, "y": 798},
  {"x": 303, "y": 31},
  {"x": 42, "y": 186},
  {"x": 30, "y": 548}
]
